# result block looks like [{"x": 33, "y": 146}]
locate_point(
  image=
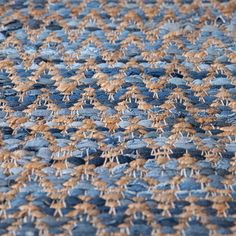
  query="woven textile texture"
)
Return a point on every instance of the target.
[{"x": 118, "y": 117}]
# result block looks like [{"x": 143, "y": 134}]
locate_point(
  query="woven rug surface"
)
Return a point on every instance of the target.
[{"x": 117, "y": 117}]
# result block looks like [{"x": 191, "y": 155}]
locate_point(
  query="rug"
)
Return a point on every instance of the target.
[{"x": 118, "y": 117}]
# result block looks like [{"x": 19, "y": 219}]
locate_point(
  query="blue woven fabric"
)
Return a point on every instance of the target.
[{"x": 117, "y": 117}]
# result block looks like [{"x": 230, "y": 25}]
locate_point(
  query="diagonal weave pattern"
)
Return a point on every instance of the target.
[{"x": 117, "y": 117}]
